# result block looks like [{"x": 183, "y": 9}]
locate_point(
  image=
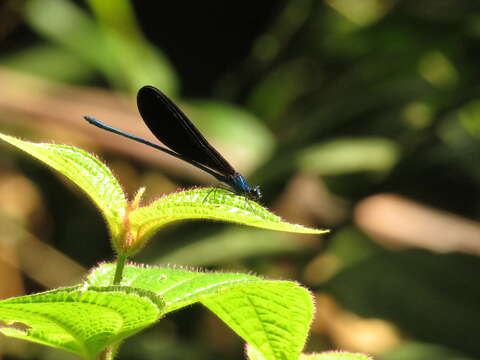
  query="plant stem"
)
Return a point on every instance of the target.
[
  {"x": 106, "y": 354},
  {"x": 109, "y": 352},
  {"x": 121, "y": 259}
]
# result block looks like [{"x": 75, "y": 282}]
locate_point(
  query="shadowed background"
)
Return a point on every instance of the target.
[{"x": 359, "y": 116}]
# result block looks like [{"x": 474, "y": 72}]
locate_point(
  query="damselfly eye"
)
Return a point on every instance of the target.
[{"x": 255, "y": 193}]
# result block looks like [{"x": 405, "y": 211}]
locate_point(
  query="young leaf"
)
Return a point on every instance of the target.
[
  {"x": 208, "y": 203},
  {"x": 274, "y": 316},
  {"x": 85, "y": 170},
  {"x": 131, "y": 226},
  {"x": 82, "y": 321}
]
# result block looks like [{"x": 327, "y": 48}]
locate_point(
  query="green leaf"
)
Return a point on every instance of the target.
[
  {"x": 85, "y": 170},
  {"x": 345, "y": 155},
  {"x": 207, "y": 203},
  {"x": 274, "y": 316},
  {"x": 254, "y": 354},
  {"x": 92, "y": 176},
  {"x": 82, "y": 321}
]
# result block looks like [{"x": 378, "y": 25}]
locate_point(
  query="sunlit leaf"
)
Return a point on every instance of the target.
[
  {"x": 93, "y": 177},
  {"x": 85, "y": 170},
  {"x": 82, "y": 321},
  {"x": 274, "y": 316},
  {"x": 211, "y": 204}
]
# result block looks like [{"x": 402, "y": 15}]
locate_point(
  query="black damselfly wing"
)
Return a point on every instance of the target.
[{"x": 173, "y": 128}]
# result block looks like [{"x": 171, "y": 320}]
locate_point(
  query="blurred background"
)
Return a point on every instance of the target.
[{"x": 358, "y": 116}]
